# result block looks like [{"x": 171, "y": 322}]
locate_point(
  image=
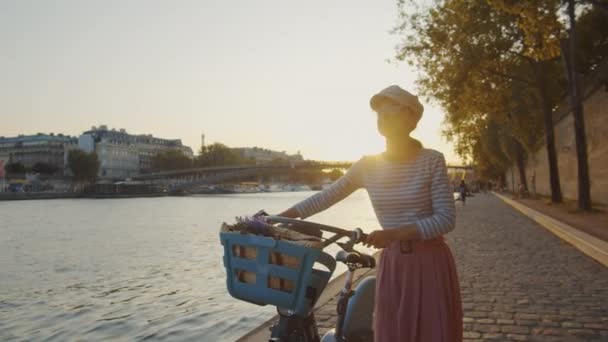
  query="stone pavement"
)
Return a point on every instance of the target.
[{"x": 518, "y": 281}]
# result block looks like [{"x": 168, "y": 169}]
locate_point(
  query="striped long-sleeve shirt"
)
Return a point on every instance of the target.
[{"x": 414, "y": 192}]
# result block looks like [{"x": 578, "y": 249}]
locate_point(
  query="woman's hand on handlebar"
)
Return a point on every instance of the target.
[{"x": 381, "y": 238}]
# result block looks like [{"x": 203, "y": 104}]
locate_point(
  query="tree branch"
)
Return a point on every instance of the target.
[{"x": 509, "y": 77}]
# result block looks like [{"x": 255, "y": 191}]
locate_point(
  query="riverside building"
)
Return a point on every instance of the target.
[
  {"x": 262, "y": 155},
  {"x": 123, "y": 155},
  {"x": 40, "y": 148}
]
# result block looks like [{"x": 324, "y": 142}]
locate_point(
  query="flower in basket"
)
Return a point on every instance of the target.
[{"x": 256, "y": 224}]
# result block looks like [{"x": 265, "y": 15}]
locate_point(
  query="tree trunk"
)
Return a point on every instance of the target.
[
  {"x": 533, "y": 177},
  {"x": 584, "y": 193},
  {"x": 512, "y": 186},
  {"x": 539, "y": 71},
  {"x": 521, "y": 166}
]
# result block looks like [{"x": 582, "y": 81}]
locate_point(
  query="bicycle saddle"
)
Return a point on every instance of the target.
[{"x": 366, "y": 261}]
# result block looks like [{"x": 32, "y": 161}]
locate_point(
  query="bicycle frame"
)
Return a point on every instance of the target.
[{"x": 296, "y": 328}]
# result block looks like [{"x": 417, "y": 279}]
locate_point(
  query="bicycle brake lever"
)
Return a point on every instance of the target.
[{"x": 360, "y": 236}]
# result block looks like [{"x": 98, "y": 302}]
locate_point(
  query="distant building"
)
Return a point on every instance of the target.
[
  {"x": 4, "y": 158},
  {"x": 123, "y": 155},
  {"x": 262, "y": 155},
  {"x": 31, "y": 149}
]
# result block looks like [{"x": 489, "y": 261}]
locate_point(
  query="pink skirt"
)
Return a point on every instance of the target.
[{"x": 417, "y": 294}]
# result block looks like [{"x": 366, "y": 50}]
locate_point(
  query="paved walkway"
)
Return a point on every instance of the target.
[{"x": 519, "y": 282}]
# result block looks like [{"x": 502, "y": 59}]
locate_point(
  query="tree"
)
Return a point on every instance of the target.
[
  {"x": 476, "y": 59},
  {"x": 335, "y": 174},
  {"x": 578, "y": 57},
  {"x": 517, "y": 155},
  {"x": 171, "y": 160},
  {"x": 217, "y": 154},
  {"x": 591, "y": 39},
  {"x": 571, "y": 63},
  {"x": 45, "y": 168},
  {"x": 308, "y": 176},
  {"x": 484, "y": 166},
  {"x": 14, "y": 168},
  {"x": 489, "y": 148},
  {"x": 84, "y": 166},
  {"x": 279, "y": 161}
]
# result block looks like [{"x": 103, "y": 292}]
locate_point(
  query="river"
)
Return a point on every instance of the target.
[{"x": 133, "y": 269}]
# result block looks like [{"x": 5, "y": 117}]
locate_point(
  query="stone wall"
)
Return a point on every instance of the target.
[{"x": 596, "y": 127}]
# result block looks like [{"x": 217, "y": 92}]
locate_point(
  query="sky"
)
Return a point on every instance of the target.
[{"x": 285, "y": 75}]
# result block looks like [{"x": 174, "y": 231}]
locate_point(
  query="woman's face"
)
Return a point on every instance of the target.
[{"x": 394, "y": 121}]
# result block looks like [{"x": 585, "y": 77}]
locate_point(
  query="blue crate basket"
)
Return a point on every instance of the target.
[{"x": 308, "y": 282}]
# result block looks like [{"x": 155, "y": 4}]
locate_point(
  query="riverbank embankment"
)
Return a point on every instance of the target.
[{"x": 17, "y": 196}]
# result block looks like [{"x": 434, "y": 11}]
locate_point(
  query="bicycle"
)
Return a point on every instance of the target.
[{"x": 295, "y": 308}]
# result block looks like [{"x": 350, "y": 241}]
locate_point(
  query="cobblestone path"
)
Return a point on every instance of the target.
[{"x": 519, "y": 282}]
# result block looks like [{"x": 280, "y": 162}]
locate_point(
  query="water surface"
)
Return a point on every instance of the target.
[{"x": 133, "y": 269}]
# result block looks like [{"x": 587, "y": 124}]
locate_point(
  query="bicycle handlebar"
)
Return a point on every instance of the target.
[{"x": 356, "y": 235}]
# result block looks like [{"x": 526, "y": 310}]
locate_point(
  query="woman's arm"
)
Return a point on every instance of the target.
[
  {"x": 443, "y": 219},
  {"x": 339, "y": 190},
  {"x": 290, "y": 213}
]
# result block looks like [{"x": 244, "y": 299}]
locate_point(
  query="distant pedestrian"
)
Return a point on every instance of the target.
[{"x": 463, "y": 190}]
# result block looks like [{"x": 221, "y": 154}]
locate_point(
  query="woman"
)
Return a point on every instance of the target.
[{"x": 417, "y": 290}]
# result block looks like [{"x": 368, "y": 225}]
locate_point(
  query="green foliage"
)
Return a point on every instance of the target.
[
  {"x": 307, "y": 176},
  {"x": 218, "y": 154},
  {"x": 171, "y": 160},
  {"x": 335, "y": 174},
  {"x": 279, "y": 161},
  {"x": 479, "y": 61},
  {"x": 592, "y": 39},
  {"x": 84, "y": 166},
  {"x": 14, "y": 168},
  {"x": 538, "y": 21},
  {"x": 45, "y": 168},
  {"x": 486, "y": 165}
]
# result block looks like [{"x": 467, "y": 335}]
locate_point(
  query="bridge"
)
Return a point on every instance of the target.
[
  {"x": 192, "y": 178},
  {"x": 186, "y": 179}
]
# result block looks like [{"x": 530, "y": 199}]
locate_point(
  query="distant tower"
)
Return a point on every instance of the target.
[{"x": 202, "y": 140}]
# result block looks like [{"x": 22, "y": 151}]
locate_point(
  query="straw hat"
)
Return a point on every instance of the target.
[{"x": 400, "y": 96}]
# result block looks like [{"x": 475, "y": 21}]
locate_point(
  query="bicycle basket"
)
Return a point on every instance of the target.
[{"x": 300, "y": 283}]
